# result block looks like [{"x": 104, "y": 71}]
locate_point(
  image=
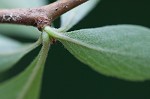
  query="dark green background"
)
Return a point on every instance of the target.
[{"x": 67, "y": 78}]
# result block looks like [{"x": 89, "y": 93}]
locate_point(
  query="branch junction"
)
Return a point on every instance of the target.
[{"x": 38, "y": 17}]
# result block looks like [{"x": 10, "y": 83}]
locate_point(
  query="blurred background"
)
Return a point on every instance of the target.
[{"x": 67, "y": 78}]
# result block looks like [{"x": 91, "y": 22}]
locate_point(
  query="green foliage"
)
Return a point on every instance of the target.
[
  {"x": 112, "y": 50},
  {"x": 12, "y": 51},
  {"x": 72, "y": 17},
  {"x": 21, "y": 4},
  {"x": 120, "y": 51},
  {"x": 27, "y": 84}
]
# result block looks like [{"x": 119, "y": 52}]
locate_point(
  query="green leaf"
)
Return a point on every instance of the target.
[
  {"x": 20, "y": 30},
  {"x": 12, "y": 51},
  {"x": 21, "y": 3},
  {"x": 121, "y": 51},
  {"x": 71, "y": 18},
  {"x": 26, "y": 85}
]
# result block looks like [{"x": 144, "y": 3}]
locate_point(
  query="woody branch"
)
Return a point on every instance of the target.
[{"x": 38, "y": 17}]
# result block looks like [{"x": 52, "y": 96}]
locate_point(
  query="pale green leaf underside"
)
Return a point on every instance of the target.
[
  {"x": 121, "y": 51},
  {"x": 26, "y": 85},
  {"x": 21, "y": 3},
  {"x": 14, "y": 86},
  {"x": 19, "y": 30},
  {"x": 71, "y": 18},
  {"x": 12, "y": 51}
]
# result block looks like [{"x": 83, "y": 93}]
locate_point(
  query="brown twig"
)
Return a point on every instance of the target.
[{"x": 38, "y": 17}]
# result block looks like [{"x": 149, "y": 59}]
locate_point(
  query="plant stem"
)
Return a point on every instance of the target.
[
  {"x": 39, "y": 65},
  {"x": 38, "y": 17}
]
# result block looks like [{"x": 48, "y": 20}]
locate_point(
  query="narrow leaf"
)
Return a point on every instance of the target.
[
  {"x": 19, "y": 31},
  {"x": 12, "y": 51},
  {"x": 27, "y": 84},
  {"x": 121, "y": 51},
  {"x": 71, "y": 18}
]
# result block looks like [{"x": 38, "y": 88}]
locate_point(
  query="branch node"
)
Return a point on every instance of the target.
[
  {"x": 41, "y": 22},
  {"x": 38, "y": 17}
]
